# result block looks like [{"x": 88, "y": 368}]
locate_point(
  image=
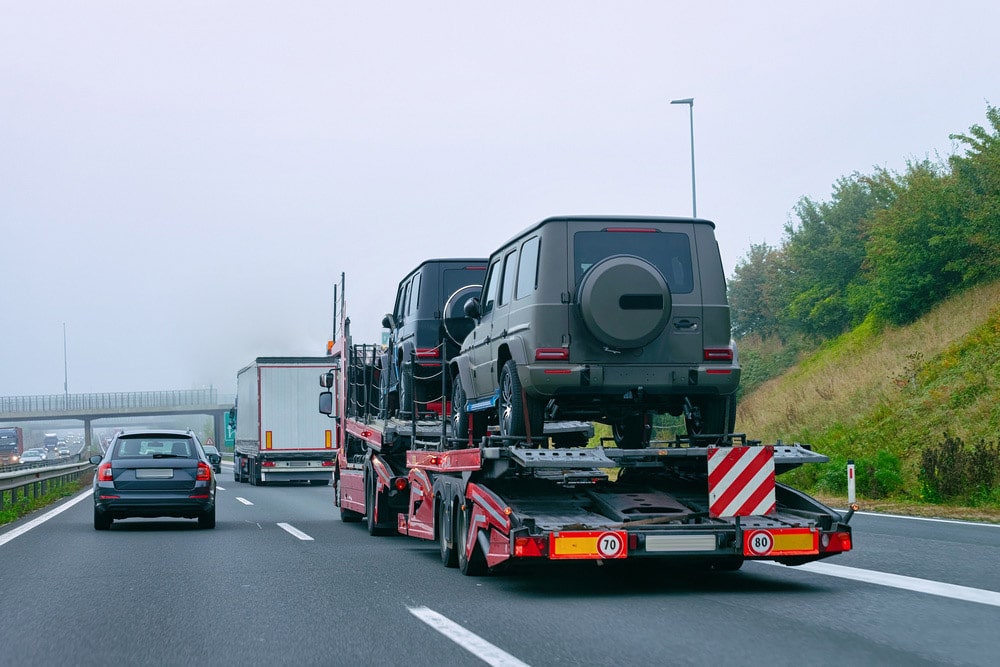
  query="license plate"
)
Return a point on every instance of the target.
[{"x": 154, "y": 473}]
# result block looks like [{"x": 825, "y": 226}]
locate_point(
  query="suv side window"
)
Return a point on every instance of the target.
[
  {"x": 490, "y": 288},
  {"x": 527, "y": 270},
  {"x": 404, "y": 293},
  {"x": 414, "y": 295},
  {"x": 507, "y": 287}
]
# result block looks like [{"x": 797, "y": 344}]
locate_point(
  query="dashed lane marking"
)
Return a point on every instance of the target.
[
  {"x": 471, "y": 642},
  {"x": 243, "y": 500},
  {"x": 292, "y": 530}
]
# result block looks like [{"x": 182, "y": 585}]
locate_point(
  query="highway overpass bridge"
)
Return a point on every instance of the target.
[{"x": 90, "y": 407}]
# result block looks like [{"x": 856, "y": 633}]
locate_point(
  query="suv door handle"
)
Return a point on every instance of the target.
[{"x": 685, "y": 324}]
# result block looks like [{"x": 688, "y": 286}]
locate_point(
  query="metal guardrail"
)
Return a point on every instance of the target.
[
  {"x": 123, "y": 400},
  {"x": 36, "y": 482}
]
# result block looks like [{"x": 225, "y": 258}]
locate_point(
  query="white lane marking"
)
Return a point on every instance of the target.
[
  {"x": 220, "y": 488},
  {"x": 243, "y": 500},
  {"x": 34, "y": 523},
  {"x": 927, "y": 518},
  {"x": 938, "y": 588},
  {"x": 292, "y": 530},
  {"x": 473, "y": 643}
]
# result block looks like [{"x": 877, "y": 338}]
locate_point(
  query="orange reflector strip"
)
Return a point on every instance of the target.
[
  {"x": 780, "y": 542},
  {"x": 328, "y": 436},
  {"x": 590, "y": 544},
  {"x": 267, "y": 440}
]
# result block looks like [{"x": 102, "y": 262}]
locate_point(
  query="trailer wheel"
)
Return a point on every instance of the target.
[
  {"x": 517, "y": 412},
  {"x": 449, "y": 555},
  {"x": 474, "y": 565},
  {"x": 728, "y": 564},
  {"x": 371, "y": 498}
]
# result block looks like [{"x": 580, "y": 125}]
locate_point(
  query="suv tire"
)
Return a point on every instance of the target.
[
  {"x": 459, "y": 416},
  {"x": 518, "y": 414},
  {"x": 714, "y": 419},
  {"x": 631, "y": 432}
]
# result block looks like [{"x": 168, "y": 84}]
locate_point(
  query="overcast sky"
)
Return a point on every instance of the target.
[{"x": 182, "y": 182}]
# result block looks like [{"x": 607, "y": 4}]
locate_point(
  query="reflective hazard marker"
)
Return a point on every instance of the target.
[{"x": 740, "y": 481}]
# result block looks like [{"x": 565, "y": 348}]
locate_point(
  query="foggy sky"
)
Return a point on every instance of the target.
[{"x": 182, "y": 183}]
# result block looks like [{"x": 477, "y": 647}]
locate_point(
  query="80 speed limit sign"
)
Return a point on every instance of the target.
[{"x": 760, "y": 542}]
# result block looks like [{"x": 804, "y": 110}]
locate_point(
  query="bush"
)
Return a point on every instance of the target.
[
  {"x": 951, "y": 470},
  {"x": 879, "y": 476}
]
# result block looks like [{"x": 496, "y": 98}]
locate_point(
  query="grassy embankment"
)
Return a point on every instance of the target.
[
  {"x": 897, "y": 401},
  {"x": 14, "y": 511}
]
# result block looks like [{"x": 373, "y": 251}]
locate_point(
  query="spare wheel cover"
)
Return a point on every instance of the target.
[{"x": 625, "y": 301}]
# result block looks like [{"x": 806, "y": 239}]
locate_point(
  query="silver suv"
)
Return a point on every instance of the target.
[{"x": 608, "y": 319}]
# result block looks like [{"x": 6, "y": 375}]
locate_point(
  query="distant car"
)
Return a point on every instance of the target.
[
  {"x": 33, "y": 456},
  {"x": 154, "y": 474},
  {"x": 62, "y": 451},
  {"x": 214, "y": 457}
]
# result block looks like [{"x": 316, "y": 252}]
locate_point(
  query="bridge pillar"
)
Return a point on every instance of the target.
[
  {"x": 87, "y": 431},
  {"x": 218, "y": 420}
]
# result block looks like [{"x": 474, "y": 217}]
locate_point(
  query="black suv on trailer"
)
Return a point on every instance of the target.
[
  {"x": 427, "y": 325},
  {"x": 609, "y": 319}
]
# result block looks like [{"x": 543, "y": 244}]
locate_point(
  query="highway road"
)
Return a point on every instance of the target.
[{"x": 282, "y": 581}]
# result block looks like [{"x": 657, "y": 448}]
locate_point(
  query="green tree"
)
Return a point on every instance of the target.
[
  {"x": 918, "y": 250},
  {"x": 753, "y": 292},
  {"x": 977, "y": 178}
]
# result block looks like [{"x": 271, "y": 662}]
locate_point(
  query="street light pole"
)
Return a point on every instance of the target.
[
  {"x": 65, "y": 368},
  {"x": 694, "y": 200}
]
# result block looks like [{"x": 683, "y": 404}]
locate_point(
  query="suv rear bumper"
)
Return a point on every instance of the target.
[{"x": 550, "y": 380}]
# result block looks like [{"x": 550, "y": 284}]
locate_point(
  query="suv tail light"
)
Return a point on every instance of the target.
[
  {"x": 104, "y": 473},
  {"x": 552, "y": 354},
  {"x": 718, "y": 354},
  {"x": 204, "y": 472}
]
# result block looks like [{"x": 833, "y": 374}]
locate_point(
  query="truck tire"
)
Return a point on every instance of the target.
[
  {"x": 449, "y": 554},
  {"x": 475, "y": 564},
  {"x": 371, "y": 499},
  {"x": 517, "y": 412}
]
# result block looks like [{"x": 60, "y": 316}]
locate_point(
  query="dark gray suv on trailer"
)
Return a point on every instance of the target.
[
  {"x": 608, "y": 319},
  {"x": 427, "y": 325}
]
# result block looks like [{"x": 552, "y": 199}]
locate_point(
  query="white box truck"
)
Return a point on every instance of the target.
[{"x": 280, "y": 436}]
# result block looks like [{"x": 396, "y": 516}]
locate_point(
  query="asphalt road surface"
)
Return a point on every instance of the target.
[{"x": 282, "y": 581}]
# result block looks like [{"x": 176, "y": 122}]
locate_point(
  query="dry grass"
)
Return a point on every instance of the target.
[{"x": 862, "y": 371}]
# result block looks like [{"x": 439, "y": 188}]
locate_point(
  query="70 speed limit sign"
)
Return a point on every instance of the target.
[{"x": 610, "y": 545}]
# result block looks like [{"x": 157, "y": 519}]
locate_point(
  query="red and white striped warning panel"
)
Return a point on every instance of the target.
[{"x": 740, "y": 481}]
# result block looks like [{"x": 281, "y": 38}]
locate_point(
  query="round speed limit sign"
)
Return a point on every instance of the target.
[
  {"x": 610, "y": 545},
  {"x": 760, "y": 542}
]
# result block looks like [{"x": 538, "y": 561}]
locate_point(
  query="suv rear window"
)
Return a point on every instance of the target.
[
  {"x": 670, "y": 252},
  {"x": 138, "y": 448}
]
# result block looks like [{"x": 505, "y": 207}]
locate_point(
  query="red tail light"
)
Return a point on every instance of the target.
[
  {"x": 835, "y": 542},
  {"x": 718, "y": 354},
  {"x": 428, "y": 352},
  {"x": 552, "y": 354},
  {"x": 527, "y": 547},
  {"x": 204, "y": 472},
  {"x": 630, "y": 230},
  {"x": 104, "y": 473},
  {"x": 400, "y": 483},
  {"x": 267, "y": 464},
  {"x": 327, "y": 464}
]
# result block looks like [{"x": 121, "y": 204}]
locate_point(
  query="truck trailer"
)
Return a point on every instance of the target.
[
  {"x": 493, "y": 500},
  {"x": 11, "y": 445},
  {"x": 278, "y": 439}
]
